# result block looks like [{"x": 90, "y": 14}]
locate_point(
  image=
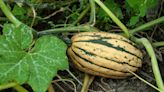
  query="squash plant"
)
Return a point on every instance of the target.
[
  {"x": 128, "y": 33},
  {"x": 142, "y": 41},
  {"x": 25, "y": 58}
]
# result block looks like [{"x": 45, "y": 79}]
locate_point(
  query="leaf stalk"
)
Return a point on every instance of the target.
[
  {"x": 154, "y": 62},
  {"x": 146, "y": 25},
  {"x": 114, "y": 18},
  {"x": 9, "y": 15}
]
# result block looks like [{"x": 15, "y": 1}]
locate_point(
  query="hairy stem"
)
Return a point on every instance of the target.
[
  {"x": 151, "y": 85},
  {"x": 87, "y": 82},
  {"x": 9, "y": 85},
  {"x": 154, "y": 62},
  {"x": 114, "y": 18},
  {"x": 84, "y": 28},
  {"x": 149, "y": 24},
  {"x": 20, "y": 88},
  {"x": 158, "y": 44},
  {"x": 14, "y": 85},
  {"x": 92, "y": 20},
  {"x": 82, "y": 15},
  {"x": 8, "y": 13}
]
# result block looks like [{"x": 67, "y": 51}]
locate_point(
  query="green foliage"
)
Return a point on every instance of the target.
[
  {"x": 114, "y": 7},
  {"x": 20, "y": 12},
  {"x": 138, "y": 8},
  {"x": 133, "y": 20},
  {"x": 25, "y": 61},
  {"x": 132, "y": 10},
  {"x": 36, "y": 1}
]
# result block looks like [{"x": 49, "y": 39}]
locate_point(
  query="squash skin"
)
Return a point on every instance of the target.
[{"x": 104, "y": 54}]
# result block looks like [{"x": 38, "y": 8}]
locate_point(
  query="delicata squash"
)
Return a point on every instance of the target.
[{"x": 104, "y": 54}]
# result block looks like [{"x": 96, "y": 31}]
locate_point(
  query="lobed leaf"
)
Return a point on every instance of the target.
[
  {"x": 35, "y": 65},
  {"x": 47, "y": 57}
]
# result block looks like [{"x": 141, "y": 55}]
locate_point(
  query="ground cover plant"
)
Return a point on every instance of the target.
[{"x": 35, "y": 35}]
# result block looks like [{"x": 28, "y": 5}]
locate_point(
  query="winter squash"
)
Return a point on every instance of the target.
[{"x": 104, "y": 54}]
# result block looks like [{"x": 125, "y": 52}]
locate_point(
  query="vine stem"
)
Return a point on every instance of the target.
[
  {"x": 151, "y": 85},
  {"x": 14, "y": 85},
  {"x": 149, "y": 24},
  {"x": 84, "y": 28},
  {"x": 82, "y": 15},
  {"x": 20, "y": 88},
  {"x": 154, "y": 62},
  {"x": 158, "y": 44},
  {"x": 9, "y": 15},
  {"x": 92, "y": 20},
  {"x": 114, "y": 18},
  {"x": 87, "y": 82},
  {"x": 5, "y": 86}
]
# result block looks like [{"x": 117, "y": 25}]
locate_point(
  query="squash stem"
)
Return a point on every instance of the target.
[
  {"x": 158, "y": 44},
  {"x": 114, "y": 18},
  {"x": 154, "y": 62},
  {"x": 20, "y": 88},
  {"x": 81, "y": 28},
  {"x": 151, "y": 85},
  {"x": 9, "y": 15},
  {"x": 9, "y": 85},
  {"x": 50, "y": 88},
  {"x": 92, "y": 20},
  {"x": 14, "y": 85},
  {"x": 87, "y": 81},
  {"x": 82, "y": 15},
  {"x": 146, "y": 25}
]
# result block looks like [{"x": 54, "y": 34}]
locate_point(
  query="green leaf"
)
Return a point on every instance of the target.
[
  {"x": 132, "y": 3},
  {"x": 151, "y": 3},
  {"x": 18, "y": 10},
  {"x": 114, "y": 7},
  {"x": 20, "y": 36},
  {"x": 140, "y": 7},
  {"x": 48, "y": 56},
  {"x": 12, "y": 68},
  {"x": 35, "y": 65},
  {"x": 133, "y": 20},
  {"x": 143, "y": 10}
]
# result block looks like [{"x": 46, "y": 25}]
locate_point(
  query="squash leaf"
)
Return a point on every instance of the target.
[
  {"x": 133, "y": 20},
  {"x": 139, "y": 8},
  {"x": 114, "y": 7},
  {"x": 22, "y": 62}
]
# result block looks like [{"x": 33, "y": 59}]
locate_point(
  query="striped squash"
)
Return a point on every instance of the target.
[{"x": 104, "y": 54}]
